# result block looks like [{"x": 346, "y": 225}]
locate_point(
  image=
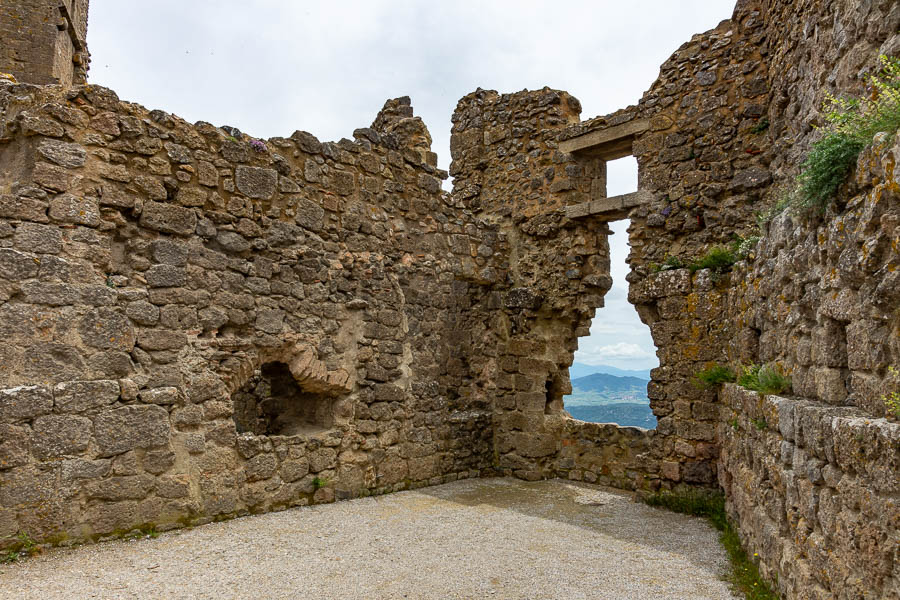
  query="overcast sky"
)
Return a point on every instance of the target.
[{"x": 269, "y": 67}]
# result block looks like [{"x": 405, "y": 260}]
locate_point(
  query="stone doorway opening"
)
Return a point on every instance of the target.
[
  {"x": 271, "y": 402},
  {"x": 612, "y": 365}
]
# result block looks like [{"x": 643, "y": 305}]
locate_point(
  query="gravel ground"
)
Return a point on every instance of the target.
[{"x": 479, "y": 538}]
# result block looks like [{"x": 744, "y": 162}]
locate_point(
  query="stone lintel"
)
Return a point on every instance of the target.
[
  {"x": 610, "y": 143},
  {"x": 612, "y": 206}
]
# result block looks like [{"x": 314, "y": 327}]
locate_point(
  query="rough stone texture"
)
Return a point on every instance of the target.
[
  {"x": 240, "y": 326},
  {"x": 44, "y": 40},
  {"x": 815, "y": 488},
  {"x": 144, "y": 313}
]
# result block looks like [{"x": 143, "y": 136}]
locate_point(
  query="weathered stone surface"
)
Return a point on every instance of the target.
[
  {"x": 24, "y": 403},
  {"x": 129, "y": 427},
  {"x": 168, "y": 218},
  {"x": 54, "y": 436},
  {"x": 15, "y": 446},
  {"x": 40, "y": 239},
  {"x": 64, "y": 154},
  {"x": 161, "y": 395},
  {"x": 166, "y": 276},
  {"x": 107, "y": 329},
  {"x": 81, "y": 396},
  {"x": 256, "y": 182},
  {"x": 15, "y": 265}
]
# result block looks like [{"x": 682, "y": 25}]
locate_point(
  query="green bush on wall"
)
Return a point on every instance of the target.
[
  {"x": 851, "y": 124},
  {"x": 764, "y": 379}
]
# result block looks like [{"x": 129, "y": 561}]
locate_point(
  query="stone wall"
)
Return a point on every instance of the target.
[
  {"x": 200, "y": 324},
  {"x": 727, "y": 124},
  {"x": 814, "y": 487},
  {"x": 44, "y": 40},
  {"x": 813, "y": 479},
  {"x": 508, "y": 169},
  {"x": 152, "y": 272}
]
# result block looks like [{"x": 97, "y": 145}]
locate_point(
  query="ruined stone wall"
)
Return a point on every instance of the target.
[
  {"x": 509, "y": 170},
  {"x": 816, "y": 47},
  {"x": 43, "y": 41},
  {"x": 704, "y": 163},
  {"x": 157, "y": 277},
  {"x": 813, "y": 479}
]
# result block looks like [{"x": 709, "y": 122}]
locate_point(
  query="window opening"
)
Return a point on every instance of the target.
[{"x": 612, "y": 365}]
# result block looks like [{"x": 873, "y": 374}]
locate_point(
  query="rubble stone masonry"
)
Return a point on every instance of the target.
[{"x": 198, "y": 324}]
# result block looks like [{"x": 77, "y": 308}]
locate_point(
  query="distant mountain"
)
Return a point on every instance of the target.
[
  {"x": 604, "y": 398},
  {"x": 626, "y": 414},
  {"x": 603, "y": 382},
  {"x": 600, "y": 389},
  {"x": 581, "y": 370}
]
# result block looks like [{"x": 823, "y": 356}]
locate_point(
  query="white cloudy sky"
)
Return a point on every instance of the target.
[{"x": 270, "y": 67}]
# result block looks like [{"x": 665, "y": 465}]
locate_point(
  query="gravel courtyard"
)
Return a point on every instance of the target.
[{"x": 479, "y": 538}]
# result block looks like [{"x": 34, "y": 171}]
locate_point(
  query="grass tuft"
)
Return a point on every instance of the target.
[
  {"x": 23, "y": 548},
  {"x": 713, "y": 376},
  {"x": 764, "y": 379},
  {"x": 744, "y": 575}
]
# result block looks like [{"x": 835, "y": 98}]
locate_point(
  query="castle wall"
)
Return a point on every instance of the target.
[
  {"x": 811, "y": 483},
  {"x": 199, "y": 325},
  {"x": 43, "y": 41},
  {"x": 813, "y": 478},
  {"x": 157, "y": 277}
]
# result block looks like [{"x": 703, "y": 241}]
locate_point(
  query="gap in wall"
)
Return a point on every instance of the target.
[{"x": 612, "y": 364}]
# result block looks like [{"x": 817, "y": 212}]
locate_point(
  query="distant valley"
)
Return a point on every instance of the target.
[{"x": 602, "y": 394}]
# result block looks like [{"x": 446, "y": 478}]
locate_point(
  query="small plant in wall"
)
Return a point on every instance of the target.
[
  {"x": 764, "y": 379},
  {"x": 319, "y": 482},
  {"x": 24, "y": 547},
  {"x": 714, "y": 376},
  {"x": 669, "y": 264},
  {"x": 760, "y": 423},
  {"x": 851, "y": 125}
]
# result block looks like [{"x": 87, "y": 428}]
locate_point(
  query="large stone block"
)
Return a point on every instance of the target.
[
  {"x": 107, "y": 329},
  {"x": 25, "y": 402},
  {"x": 63, "y": 154},
  {"x": 67, "y": 208},
  {"x": 37, "y": 238},
  {"x": 15, "y": 265},
  {"x": 256, "y": 182},
  {"x": 14, "y": 446},
  {"x": 168, "y": 218},
  {"x": 123, "y": 429},
  {"x": 60, "y": 435}
]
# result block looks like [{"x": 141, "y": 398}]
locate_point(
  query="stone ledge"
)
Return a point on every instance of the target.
[
  {"x": 609, "y": 143},
  {"x": 614, "y": 204}
]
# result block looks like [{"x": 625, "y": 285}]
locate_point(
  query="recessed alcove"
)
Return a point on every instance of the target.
[{"x": 271, "y": 402}]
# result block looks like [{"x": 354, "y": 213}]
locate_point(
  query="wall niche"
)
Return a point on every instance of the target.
[{"x": 273, "y": 403}]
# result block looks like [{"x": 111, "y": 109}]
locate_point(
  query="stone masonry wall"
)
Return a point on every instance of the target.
[
  {"x": 508, "y": 169},
  {"x": 813, "y": 479},
  {"x": 704, "y": 163},
  {"x": 42, "y": 43},
  {"x": 153, "y": 271},
  {"x": 734, "y": 109},
  {"x": 199, "y": 324}
]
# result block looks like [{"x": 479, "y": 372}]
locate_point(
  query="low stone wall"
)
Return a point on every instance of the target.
[
  {"x": 607, "y": 454},
  {"x": 814, "y": 489}
]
